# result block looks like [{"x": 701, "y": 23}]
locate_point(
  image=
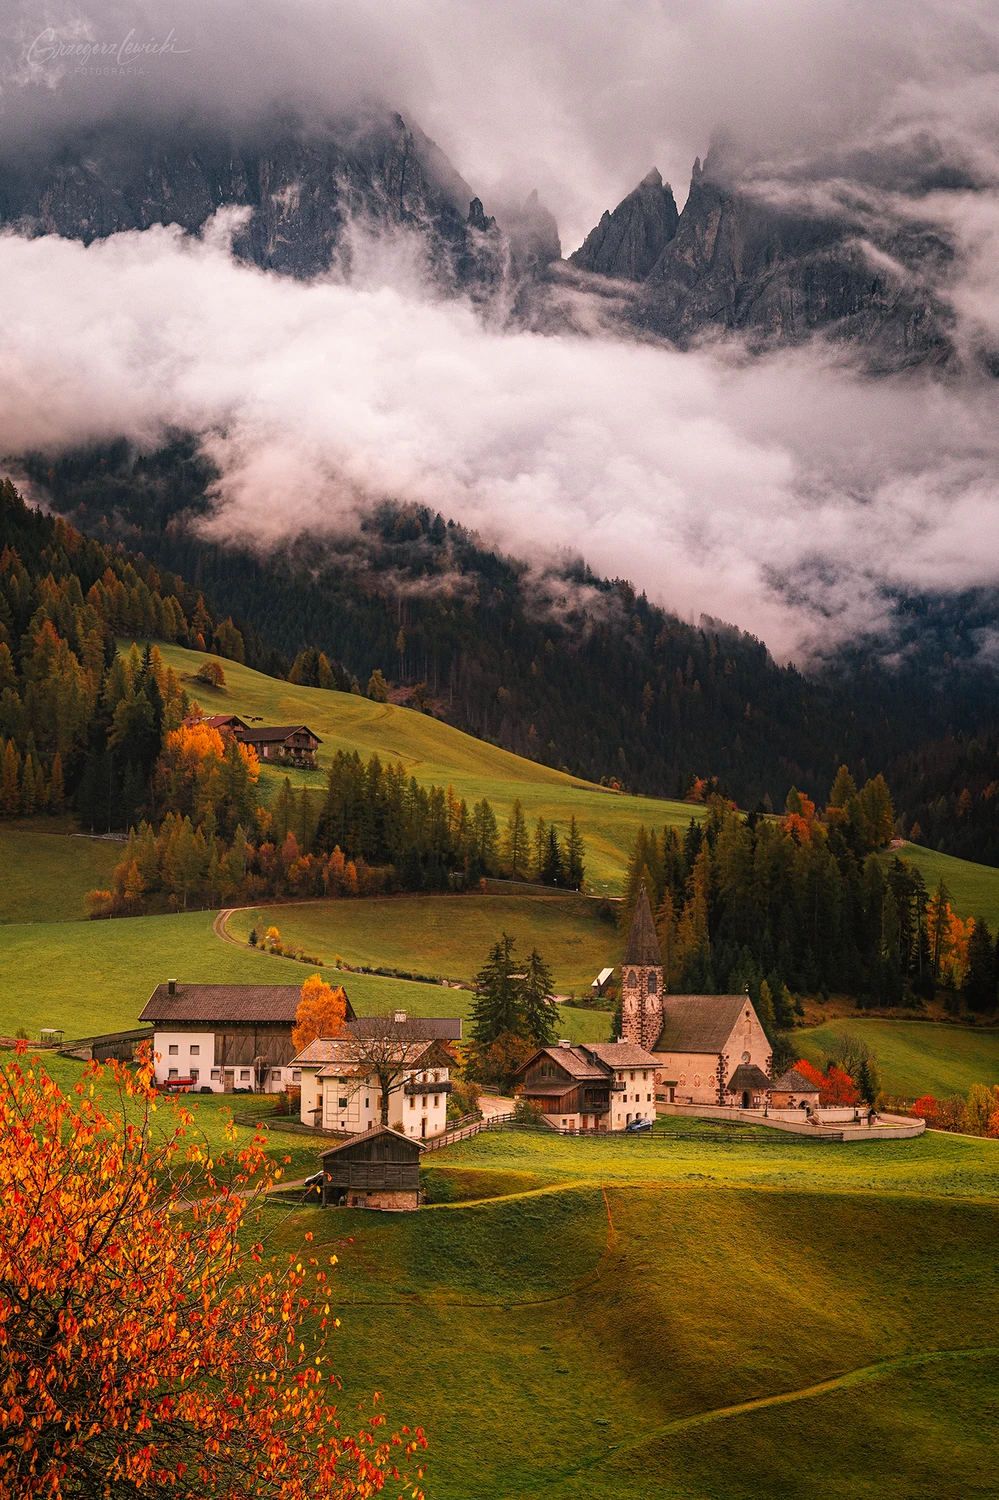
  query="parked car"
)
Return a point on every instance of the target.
[
  {"x": 637, "y": 1126},
  {"x": 314, "y": 1184}
]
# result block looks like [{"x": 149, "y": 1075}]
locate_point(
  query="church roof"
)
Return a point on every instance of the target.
[
  {"x": 748, "y": 1076},
  {"x": 699, "y": 1023},
  {"x": 793, "y": 1082},
  {"x": 643, "y": 945}
]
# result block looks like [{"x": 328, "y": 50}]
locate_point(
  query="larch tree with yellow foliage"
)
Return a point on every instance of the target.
[{"x": 321, "y": 1012}]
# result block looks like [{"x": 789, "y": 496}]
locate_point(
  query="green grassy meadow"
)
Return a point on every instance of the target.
[
  {"x": 974, "y": 888},
  {"x": 447, "y": 935},
  {"x": 89, "y": 977},
  {"x": 45, "y": 873},
  {"x": 681, "y": 1319},
  {"x": 916, "y": 1057},
  {"x": 436, "y": 753}
]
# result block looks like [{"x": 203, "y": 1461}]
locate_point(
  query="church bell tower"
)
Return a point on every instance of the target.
[{"x": 642, "y": 979}]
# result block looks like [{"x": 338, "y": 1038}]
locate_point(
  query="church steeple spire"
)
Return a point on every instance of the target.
[
  {"x": 642, "y": 979},
  {"x": 643, "y": 945}
]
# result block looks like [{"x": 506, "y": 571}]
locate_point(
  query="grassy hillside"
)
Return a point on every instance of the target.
[
  {"x": 447, "y": 935},
  {"x": 45, "y": 874},
  {"x": 435, "y": 753},
  {"x": 89, "y": 977},
  {"x": 974, "y": 888},
  {"x": 916, "y": 1057},
  {"x": 595, "y": 1336}
]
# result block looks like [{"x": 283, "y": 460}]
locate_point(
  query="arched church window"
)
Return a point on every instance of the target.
[
  {"x": 652, "y": 982},
  {"x": 697, "y": 1080},
  {"x": 630, "y": 979}
]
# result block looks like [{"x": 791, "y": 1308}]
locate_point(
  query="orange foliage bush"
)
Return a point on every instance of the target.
[{"x": 142, "y": 1351}]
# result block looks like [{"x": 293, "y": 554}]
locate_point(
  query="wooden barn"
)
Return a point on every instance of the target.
[{"x": 379, "y": 1169}]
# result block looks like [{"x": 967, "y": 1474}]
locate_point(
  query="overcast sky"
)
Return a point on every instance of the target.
[{"x": 783, "y": 493}]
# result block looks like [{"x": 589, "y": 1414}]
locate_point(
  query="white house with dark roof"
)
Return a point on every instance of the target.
[
  {"x": 698, "y": 1041},
  {"x": 341, "y": 1090},
  {"x": 224, "y": 1037}
]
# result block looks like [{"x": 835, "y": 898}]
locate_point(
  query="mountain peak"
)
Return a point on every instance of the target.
[{"x": 628, "y": 242}]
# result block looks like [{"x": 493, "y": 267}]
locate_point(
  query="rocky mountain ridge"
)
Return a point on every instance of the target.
[{"x": 768, "y": 266}]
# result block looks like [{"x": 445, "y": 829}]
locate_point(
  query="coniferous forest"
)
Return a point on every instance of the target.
[
  {"x": 803, "y": 904},
  {"x": 560, "y": 665}
]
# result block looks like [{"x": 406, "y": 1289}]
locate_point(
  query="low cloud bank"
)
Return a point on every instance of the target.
[{"x": 784, "y": 493}]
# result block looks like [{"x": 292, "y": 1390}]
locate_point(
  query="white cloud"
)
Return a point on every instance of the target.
[{"x": 781, "y": 493}]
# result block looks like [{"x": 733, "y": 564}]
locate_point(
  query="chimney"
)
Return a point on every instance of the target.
[
  {"x": 399, "y": 1017},
  {"x": 171, "y": 986},
  {"x": 564, "y": 1042}
]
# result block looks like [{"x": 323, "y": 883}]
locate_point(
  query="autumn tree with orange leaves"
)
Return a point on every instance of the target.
[
  {"x": 143, "y": 1350},
  {"x": 321, "y": 1012}
]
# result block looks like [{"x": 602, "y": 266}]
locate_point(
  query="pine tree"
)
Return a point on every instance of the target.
[
  {"x": 980, "y": 981},
  {"x": 540, "y": 848},
  {"x": 765, "y": 1011},
  {"x": 539, "y": 1011},
  {"x": 10, "y": 781},
  {"x": 497, "y": 1008},
  {"x": 575, "y": 856},
  {"x": 515, "y": 840},
  {"x": 57, "y": 788}
]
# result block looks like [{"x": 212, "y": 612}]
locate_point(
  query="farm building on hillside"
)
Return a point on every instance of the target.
[
  {"x": 284, "y": 744},
  {"x": 592, "y": 1086},
  {"x": 342, "y": 1076},
  {"x": 380, "y": 1169},
  {"x": 232, "y": 722},
  {"x": 225, "y": 1037},
  {"x": 698, "y": 1041}
]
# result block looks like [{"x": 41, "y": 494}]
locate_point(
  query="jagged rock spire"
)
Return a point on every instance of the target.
[
  {"x": 643, "y": 945},
  {"x": 629, "y": 241}
]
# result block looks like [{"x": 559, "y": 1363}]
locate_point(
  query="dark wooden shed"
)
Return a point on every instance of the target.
[{"x": 378, "y": 1169}]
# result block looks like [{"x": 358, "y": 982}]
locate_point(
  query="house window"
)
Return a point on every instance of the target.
[
  {"x": 648, "y": 1098},
  {"x": 172, "y": 1050},
  {"x": 341, "y": 1103},
  {"x": 195, "y": 1073},
  {"x": 172, "y": 1073},
  {"x": 436, "y": 1076},
  {"x": 296, "y": 1077},
  {"x": 437, "y": 1100},
  {"x": 367, "y": 1103},
  {"x": 645, "y": 1075},
  {"x": 195, "y": 1049},
  {"x": 276, "y": 1074},
  {"x": 412, "y": 1101},
  {"x": 244, "y": 1076},
  {"x": 216, "y": 1074},
  {"x": 632, "y": 1076}
]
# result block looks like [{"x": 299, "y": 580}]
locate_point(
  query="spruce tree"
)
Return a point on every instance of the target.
[
  {"x": 515, "y": 841},
  {"x": 980, "y": 982},
  {"x": 575, "y": 856},
  {"x": 497, "y": 1008},
  {"x": 538, "y": 1008}
]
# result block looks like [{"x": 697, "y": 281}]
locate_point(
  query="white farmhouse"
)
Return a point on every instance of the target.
[
  {"x": 341, "y": 1076},
  {"x": 224, "y": 1037}
]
